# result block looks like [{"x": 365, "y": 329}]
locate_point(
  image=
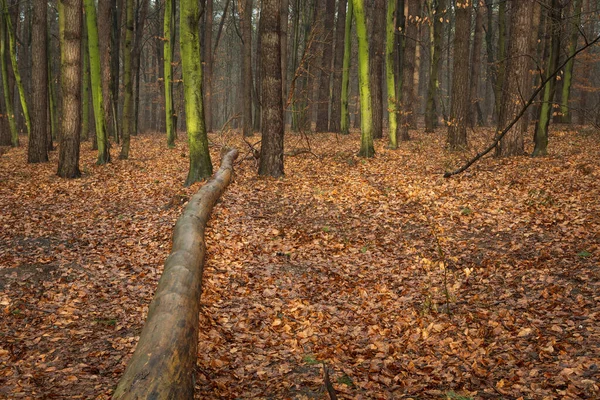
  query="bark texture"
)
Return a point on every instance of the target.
[
  {"x": 408, "y": 69},
  {"x": 127, "y": 81},
  {"x": 338, "y": 60},
  {"x": 376, "y": 59},
  {"x": 246, "y": 27},
  {"x": 38, "y": 147},
  {"x": 322, "y": 124},
  {"x": 517, "y": 78},
  {"x": 70, "y": 21},
  {"x": 459, "y": 105},
  {"x": 271, "y": 152},
  {"x": 366, "y": 115},
  {"x": 162, "y": 366}
]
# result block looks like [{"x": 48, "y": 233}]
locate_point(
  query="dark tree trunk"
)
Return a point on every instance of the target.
[
  {"x": 208, "y": 66},
  {"x": 271, "y": 152},
  {"x": 322, "y": 124},
  {"x": 517, "y": 78},
  {"x": 104, "y": 31},
  {"x": 38, "y": 147},
  {"x": 71, "y": 21},
  {"x": 338, "y": 60},
  {"x": 475, "y": 115},
  {"x": 376, "y": 59},
  {"x": 407, "y": 104},
  {"x": 459, "y": 106},
  {"x": 246, "y": 98},
  {"x": 115, "y": 44}
]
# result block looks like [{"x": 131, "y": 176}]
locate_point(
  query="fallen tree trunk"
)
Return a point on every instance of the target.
[{"x": 162, "y": 365}]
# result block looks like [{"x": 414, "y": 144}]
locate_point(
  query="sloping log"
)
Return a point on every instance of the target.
[{"x": 162, "y": 365}]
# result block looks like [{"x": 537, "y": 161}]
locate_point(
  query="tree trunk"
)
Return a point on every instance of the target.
[
  {"x": 390, "y": 76},
  {"x": 501, "y": 62},
  {"x": 70, "y": 21},
  {"x": 104, "y": 29},
  {"x": 115, "y": 44},
  {"x": 475, "y": 116},
  {"x": 376, "y": 68},
  {"x": 13, "y": 59},
  {"x": 541, "y": 131},
  {"x": 136, "y": 54},
  {"x": 127, "y": 81},
  {"x": 338, "y": 60},
  {"x": 85, "y": 96},
  {"x": 366, "y": 118},
  {"x": 567, "y": 81},
  {"x": 407, "y": 103},
  {"x": 246, "y": 98},
  {"x": 38, "y": 147},
  {"x": 435, "y": 45},
  {"x": 208, "y": 68},
  {"x": 96, "y": 77},
  {"x": 517, "y": 78},
  {"x": 5, "y": 83},
  {"x": 271, "y": 152},
  {"x": 200, "y": 164},
  {"x": 169, "y": 46},
  {"x": 323, "y": 88},
  {"x": 285, "y": 9},
  {"x": 459, "y": 105},
  {"x": 162, "y": 365},
  {"x": 344, "y": 112}
]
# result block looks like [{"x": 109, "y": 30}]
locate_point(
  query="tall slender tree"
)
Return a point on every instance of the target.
[
  {"x": 573, "y": 28},
  {"x": 208, "y": 65},
  {"x": 70, "y": 24},
  {"x": 366, "y": 118},
  {"x": 96, "y": 80},
  {"x": 106, "y": 50},
  {"x": 345, "y": 113},
  {"x": 475, "y": 115},
  {"x": 271, "y": 152},
  {"x": 459, "y": 105},
  {"x": 169, "y": 47},
  {"x": 392, "y": 102},
  {"x": 5, "y": 82},
  {"x": 437, "y": 10},
  {"x": 323, "y": 88},
  {"x": 38, "y": 147},
  {"x": 127, "y": 81},
  {"x": 376, "y": 68},
  {"x": 338, "y": 60},
  {"x": 407, "y": 103},
  {"x": 200, "y": 164},
  {"x": 246, "y": 98}
]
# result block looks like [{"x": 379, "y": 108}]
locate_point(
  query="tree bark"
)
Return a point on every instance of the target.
[
  {"x": 6, "y": 84},
  {"x": 408, "y": 69},
  {"x": 70, "y": 21},
  {"x": 338, "y": 60},
  {"x": 169, "y": 45},
  {"x": 162, "y": 365},
  {"x": 459, "y": 105},
  {"x": 475, "y": 115},
  {"x": 573, "y": 29},
  {"x": 344, "y": 112},
  {"x": 127, "y": 81},
  {"x": 104, "y": 29},
  {"x": 376, "y": 68},
  {"x": 435, "y": 38},
  {"x": 96, "y": 80},
  {"x": 38, "y": 147},
  {"x": 246, "y": 27},
  {"x": 322, "y": 123},
  {"x": 366, "y": 118},
  {"x": 208, "y": 69},
  {"x": 517, "y": 78},
  {"x": 271, "y": 152},
  {"x": 390, "y": 76},
  {"x": 191, "y": 66}
]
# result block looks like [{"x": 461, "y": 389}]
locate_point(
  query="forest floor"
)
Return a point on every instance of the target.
[{"x": 406, "y": 284}]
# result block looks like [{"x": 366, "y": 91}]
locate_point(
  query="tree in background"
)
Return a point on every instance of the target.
[
  {"x": 345, "y": 114},
  {"x": 245, "y": 12},
  {"x": 392, "y": 103},
  {"x": 407, "y": 104},
  {"x": 517, "y": 78},
  {"x": 200, "y": 164},
  {"x": 169, "y": 47},
  {"x": 96, "y": 82},
  {"x": 127, "y": 81},
  {"x": 70, "y": 22},
  {"x": 437, "y": 10},
  {"x": 573, "y": 29},
  {"x": 376, "y": 68},
  {"x": 271, "y": 151},
  {"x": 338, "y": 61},
  {"x": 323, "y": 88},
  {"x": 366, "y": 118},
  {"x": 5, "y": 82},
  {"x": 459, "y": 104},
  {"x": 38, "y": 147}
]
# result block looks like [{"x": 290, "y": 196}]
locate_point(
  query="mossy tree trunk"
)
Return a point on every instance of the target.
[
  {"x": 436, "y": 28},
  {"x": 200, "y": 164},
  {"x": 366, "y": 113},
  {"x": 271, "y": 152},
  {"x": 392, "y": 102},
  {"x": 70, "y": 22},
  {"x": 573, "y": 29},
  {"x": 96, "y": 82},
  {"x": 85, "y": 96},
  {"x": 38, "y": 147},
  {"x": 106, "y": 50},
  {"x": 5, "y": 83},
  {"x": 376, "y": 68},
  {"x": 546, "y": 109}
]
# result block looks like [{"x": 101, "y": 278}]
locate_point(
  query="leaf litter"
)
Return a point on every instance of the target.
[{"x": 404, "y": 284}]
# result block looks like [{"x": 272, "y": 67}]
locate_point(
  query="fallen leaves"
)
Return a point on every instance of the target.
[{"x": 336, "y": 263}]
